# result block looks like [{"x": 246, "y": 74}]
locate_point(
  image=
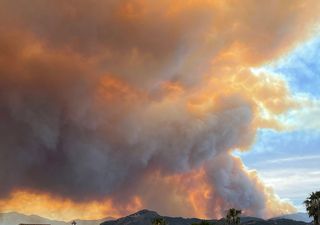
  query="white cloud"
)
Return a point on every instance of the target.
[
  {"x": 293, "y": 184},
  {"x": 293, "y": 159}
]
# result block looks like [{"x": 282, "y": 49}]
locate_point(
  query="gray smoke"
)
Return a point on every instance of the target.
[{"x": 84, "y": 107}]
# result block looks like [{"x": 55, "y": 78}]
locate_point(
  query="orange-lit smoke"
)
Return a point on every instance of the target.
[
  {"x": 111, "y": 106},
  {"x": 54, "y": 207}
]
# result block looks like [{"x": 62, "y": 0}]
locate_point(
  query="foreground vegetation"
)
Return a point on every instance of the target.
[
  {"x": 312, "y": 204},
  {"x": 232, "y": 217}
]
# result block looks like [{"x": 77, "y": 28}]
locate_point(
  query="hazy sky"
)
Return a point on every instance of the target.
[
  {"x": 289, "y": 161},
  {"x": 186, "y": 107}
]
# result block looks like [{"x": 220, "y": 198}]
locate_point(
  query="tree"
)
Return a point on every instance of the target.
[
  {"x": 232, "y": 216},
  {"x": 159, "y": 221},
  {"x": 313, "y": 206},
  {"x": 203, "y": 222}
]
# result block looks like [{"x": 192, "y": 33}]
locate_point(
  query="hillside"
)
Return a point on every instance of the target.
[
  {"x": 14, "y": 218},
  {"x": 144, "y": 217},
  {"x": 296, "y": 216}
]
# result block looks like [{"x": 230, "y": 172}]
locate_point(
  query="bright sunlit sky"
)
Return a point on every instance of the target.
[{"x": 289, "y": 161}]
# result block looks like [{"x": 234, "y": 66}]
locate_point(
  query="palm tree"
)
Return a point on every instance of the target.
[
  {"x": 313, "y": 206},
  {"x": 232, "y": 216},
  {"x": 159, "y": 221}
]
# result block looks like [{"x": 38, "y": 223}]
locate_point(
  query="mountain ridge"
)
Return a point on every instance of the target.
[
  {"x": 144, "y": 217},
  {"x": 299, "y": 216},
  {"x": 14, "y": 218}
]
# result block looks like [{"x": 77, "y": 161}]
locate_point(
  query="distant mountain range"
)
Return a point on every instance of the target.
[
  {"x": 14, "y": 218},
  {"x": 144, "y": 217},
  {"x": 296, "y": 216}
]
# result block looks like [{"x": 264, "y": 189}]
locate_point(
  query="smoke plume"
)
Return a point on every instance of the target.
[{"x": 140, "y": 103}]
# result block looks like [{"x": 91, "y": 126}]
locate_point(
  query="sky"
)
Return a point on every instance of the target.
[
  {"x": 185, "y": 107},
  {"x": 289, "y": 161}
]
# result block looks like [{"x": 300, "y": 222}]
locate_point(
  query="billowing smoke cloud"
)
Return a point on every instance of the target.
[{"x": 142, "y": 101}]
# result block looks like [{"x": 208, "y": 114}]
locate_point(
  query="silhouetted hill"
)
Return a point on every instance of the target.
[
  {"x": 245, "y": 219},
  {"x": 13, "y": 218},
  {"x": 144, "y": 217},
  {"x": 296, "y": 216},
  {"x": 275, "y": 222}
]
